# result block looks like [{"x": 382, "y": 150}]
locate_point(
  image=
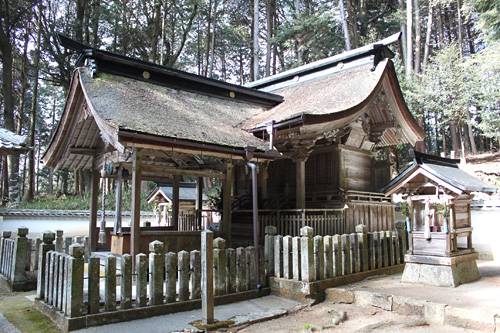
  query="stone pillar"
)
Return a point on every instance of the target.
[
  {"x": 390, "y": 248},
  {"x": 74, "y": 302},
  {"x": 21, "y": 248},
  {"x": 49, "y": 285},
  {"x": 94, "y": 284},
  {"x": 5, "y": 235},
  {"x": 328, "y": 256},
  {"x": 109, "y": 283},
  {"x": 207, "y": 278},
  {"x": 307, "y": 254},
  {"x": 36, "y": 255},
  {"x": 59, "y": 241},
  {"x": 403, "y": 245},
  {"x": 47, "y": 245},
  {"x": 270, "y": 231},
  {"x": 372, "y": 259},
  {"x": 126, "y": 282},
  {"x": 220, "y": 265},
  {"x": 287, "y": 258},
  {"x": 396, "y": 250},
  {"x": 278, "y": 256},
  {"x": 355, "y": 262},
  {"x": 156, "y": 270},
  {"x": 241, "y": 270},
  {"x": 61, "y": 285},
  {"x": 337, "y": 255},
  {"x": 231, "y": 271},
  {"x": 67, "y": 243},
  {"x": 346, "y": 254},
  {"x": 251, "y": 269},
  {"x": 319, "y": 257},
  {"x": 383, "y": 249},
  {"x": 141, "y": 269},
  {"x": 183, "y": 264},
  {"x": 362, "y": 230},
  {"x": 171, "y": 276},
  {"x": 195, "y": 279},
  {"x": 296, "y": 258}
]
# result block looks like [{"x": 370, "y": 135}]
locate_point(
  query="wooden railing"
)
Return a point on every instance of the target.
[{"x": 189, "y": 222}]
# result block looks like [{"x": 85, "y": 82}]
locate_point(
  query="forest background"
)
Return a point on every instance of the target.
[{"x": 448, "y": 61}]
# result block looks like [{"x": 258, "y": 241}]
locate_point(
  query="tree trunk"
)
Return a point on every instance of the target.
[
  {"x": 155, "y": 32},
  {"x": 345, "y": 29},
  {"x": 428, "y": 38},
  {"x": 255, "y": 39},
  {"x": 81, "y": 6},
  {"x": 212, "y": 43},
  {"x": 409, "y": 37},
  {"x": 418, "y": 37},
  {"x": 471, "y": 134},
  {"x": 454, "y": 137},
  {"x": 439, "y": 19},
  {"x": 30, "y": 192},
  {"x": 402, "y": 27},
  {"x": 270, "y": 13},
  {"x": 95, "y": 23},
  {"x": 460, "y": 36}
]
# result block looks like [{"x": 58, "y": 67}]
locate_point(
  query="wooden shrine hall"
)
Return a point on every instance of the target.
[{"x": 298, "y": 148}]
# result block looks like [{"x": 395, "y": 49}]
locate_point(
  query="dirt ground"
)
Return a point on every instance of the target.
[{"x": 312, "y": 319}]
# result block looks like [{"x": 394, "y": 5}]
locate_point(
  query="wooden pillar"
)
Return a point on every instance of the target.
[
  {"x": 300, "y": 167},
  {"x": 226, "y": 203},
  {"x": 135, "y": 237},
  {"x": 263, "y": 182},
  {"x": 175, "y": 203},
  {"x": 199, "y": 201},
  {"x": 94, "y": 196},
  {"x": 118, "y": 211}
]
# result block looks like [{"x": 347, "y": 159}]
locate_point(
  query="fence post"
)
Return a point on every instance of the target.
[
  {"x": 38, "y": 241},
  {"x": 362, "y": 230},
  {"x": 400, "y": 227},
  {"x": 68, "y": 241},
  {"x": 109, "y": 281},
  {"x": 287, "y": 258},
  {"x": 346, "y": 254},
  {"x": 141, "y": 269},
  {"x": 156, "y": 269},
  {"x": 307, "y": 254},
  {"x": 231, "y": 270},
  {"x": 126, "y": 282},
  {"x": 183, "y": 258},
  {"x": 220, "y": 264},
  {"x": 270, "y": 231},
  {"x": 59, "y": 240},
  {"x": 251, "y": 269},
  {"x": 207, "y": 277},
  {"x": 195, "y": 274},
  {"x": 371, "y": 251},
  {"x": 5, "y": 235},
  {"x": 328, "y": 256},
  {"x": 278, "y": 256},
  {"x": 296, "y": 258},
  {"x": 171, "y": 276},
  {"x": 94, "y": 284},
  {"x": 337, "y": 256},
  {"x": 395, "y": 241},
  {"x": 20, "y": 255},
  {"x": 241, "y": 270},
  {"x": 75, "y": 281},
  {"x": 47, "y": 245},
  {"x": 390, "y": 247},
  {"x": 319, "y": 257}
]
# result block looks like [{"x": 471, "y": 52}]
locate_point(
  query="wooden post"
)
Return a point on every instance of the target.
[
  {"x": 175, "y": 203},
  {"x": 135, "y": 237},
  {"x": 226, "y": 203},
  {"x": 94, "y": 196},
  {"x": 199, "y": 202},
  {"x": 300, "y": 165},
  {"x": 118, "y": 212},
  {"x": 207, "y": 277}
]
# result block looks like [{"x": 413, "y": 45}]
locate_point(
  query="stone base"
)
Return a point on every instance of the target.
[
  {"x": 17, "y": 286},
  {"x": 441, "y": 271}
]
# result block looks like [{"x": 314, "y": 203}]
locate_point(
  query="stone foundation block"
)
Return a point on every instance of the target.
[
  {"x": 366, "y": 299},
  {"x": 338, "y": 295},
  {"x": 471, "y": 319},
  {"x": 434, "y": 313},
  {"x": 408, "y": 306}
]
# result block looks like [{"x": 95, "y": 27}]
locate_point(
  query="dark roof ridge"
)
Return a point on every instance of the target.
[
  {"x": 378, "y": 49},
  {"x": 183, "y": 80},
  {"x": 421, "y": 158}
]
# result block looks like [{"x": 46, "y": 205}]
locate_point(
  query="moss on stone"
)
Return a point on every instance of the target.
[{"x": 217, "y": 325}]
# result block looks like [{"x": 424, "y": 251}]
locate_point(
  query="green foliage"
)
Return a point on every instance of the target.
[
  {"x": 70, "y": 202},
  {"x": 487, "y": 14},
  {"x": 405, "y": 209},
  {"x": 443, "y": 209}
]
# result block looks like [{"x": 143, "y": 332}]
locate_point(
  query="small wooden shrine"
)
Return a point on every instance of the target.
[{"x": 438, "y": 218}]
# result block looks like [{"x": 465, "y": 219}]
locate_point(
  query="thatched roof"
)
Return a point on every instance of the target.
[{"x": 132, "y": 105}]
